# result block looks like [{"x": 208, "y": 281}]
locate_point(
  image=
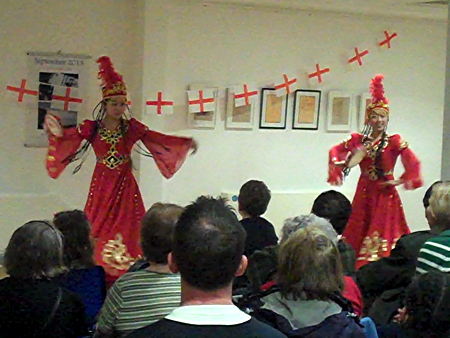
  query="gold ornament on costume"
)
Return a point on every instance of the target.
[
  {"x": 115, "y": 254},
  {"x": 112, "y": 159},
  {"x": 373, "y": 247}
]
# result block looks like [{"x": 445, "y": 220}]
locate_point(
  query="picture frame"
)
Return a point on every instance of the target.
[
  {"x": 273, "y": 110},
  {"x": 364, "y": 100},
  {"x": 339, "y": 111},
  {"x": 239, "y": 117},
  {"x": 206, "y": 120},
  {"x": 306, "y": 109}
]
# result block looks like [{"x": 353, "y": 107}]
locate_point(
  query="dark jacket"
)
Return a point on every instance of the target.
[
  {"x": 260, "y": 233},
  {"x": 393, "y": 272},
  {"x": 312, "y": 319}
]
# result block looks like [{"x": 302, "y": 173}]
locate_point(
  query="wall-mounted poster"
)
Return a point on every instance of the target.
[{"x": 61, "y": 83}]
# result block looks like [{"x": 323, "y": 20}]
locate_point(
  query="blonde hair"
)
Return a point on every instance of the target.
[
  {"x": 309, "y": 266},
  {"x": 440, "y": 203}
]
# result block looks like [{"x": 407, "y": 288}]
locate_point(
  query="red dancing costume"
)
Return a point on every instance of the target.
[
  {"x": 114, "y": 205},
  {"x": 377, "y": 220}
]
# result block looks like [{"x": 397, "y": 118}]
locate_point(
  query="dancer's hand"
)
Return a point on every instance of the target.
[
  {"x": 52, "y": 125},
  {"x": 194, "y": 147}
]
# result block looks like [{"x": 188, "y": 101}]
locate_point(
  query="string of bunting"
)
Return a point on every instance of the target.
[{"x": 203, "y": 100}]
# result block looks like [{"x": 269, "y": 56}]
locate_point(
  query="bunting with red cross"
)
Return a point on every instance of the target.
[
  {"x": 244, "y": 95},
  {"x": 202, "y": 100},
  {"x": 288, "y": 85},
  {"x": 159, "y": 105},
  {"x": 23, "y": 91},
  {"x": 65, "y": 98}
]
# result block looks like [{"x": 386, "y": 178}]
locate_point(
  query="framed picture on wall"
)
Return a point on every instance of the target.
[
  {"x": 239, "y": 117},
  {"x": 273, "y": 110},
  {"x": 306, "y": 109},
  {"x": 364, "y": 100},
  {"x": 339, "y": 111}
]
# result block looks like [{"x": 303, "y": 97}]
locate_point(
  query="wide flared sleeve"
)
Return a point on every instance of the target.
[
  {"x": 169, "y": 152},
  {"x": 61, "y": 148},
  {"x": 339, "y": 153},
  {"x": 411, "y": 178}
]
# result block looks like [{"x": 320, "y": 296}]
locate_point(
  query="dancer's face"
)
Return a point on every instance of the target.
[
  {"x": 115, "y": 107},
  {"x": 378, "y": 120}
]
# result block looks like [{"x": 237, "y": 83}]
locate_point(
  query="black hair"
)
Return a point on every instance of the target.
[
  {"x": 208, "y": 243},
  {"x": 427, "y": 303},
  {"x": 333, "y": 206},
  {"x": 254, "y": 197}
]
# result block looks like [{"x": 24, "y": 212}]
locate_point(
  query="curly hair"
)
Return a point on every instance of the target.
[
  {"x": 293, "y": 224},
  {"x": 254, "y": 197},
  {"x": 427, "y": 303}
]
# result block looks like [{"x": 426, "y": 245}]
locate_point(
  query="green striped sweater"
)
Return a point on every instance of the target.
[
  {"x": 435, "y": 254},
  {"x": 138, "y": 299}
]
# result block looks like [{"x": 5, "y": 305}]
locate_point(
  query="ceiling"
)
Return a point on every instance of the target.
[{"x": 423, "y": 9}]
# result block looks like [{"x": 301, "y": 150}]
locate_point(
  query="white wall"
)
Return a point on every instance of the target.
[
  {"x": 101, "y": 27},
  {"x": 219, "y": 45}
]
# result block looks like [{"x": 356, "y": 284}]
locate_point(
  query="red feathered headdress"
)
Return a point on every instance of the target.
[
  {"x": 379, "y": 101},
  {"x": 112, "y": 82}
]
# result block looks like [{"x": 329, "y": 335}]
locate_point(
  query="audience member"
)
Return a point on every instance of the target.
[
  {"x": 32, "y": 304},
  {"x": 427, "y": 309},
  {"x": 435, "y": 252},
  {"x": 263, "y": 264},
  {"x": 391, "y": 275},
  {"x": 254, "y": 197},
  {"x": 310, "y": 280},
  {"x": 142, "y": 297},
  {"x": 208, "y": 252},
  {"x": 337, "y": 208},
  {"x": 84, "y": 278}
]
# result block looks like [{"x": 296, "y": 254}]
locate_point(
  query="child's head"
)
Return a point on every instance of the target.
[
  {"x": 78, "y": 248},
  {"x": 333, "y": 206},
  {"x": 427, "y": 303},
  {"x": 254, "y": 198}
]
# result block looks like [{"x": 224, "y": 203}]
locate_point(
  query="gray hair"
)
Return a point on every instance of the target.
[{"x": 293, "y": 224}]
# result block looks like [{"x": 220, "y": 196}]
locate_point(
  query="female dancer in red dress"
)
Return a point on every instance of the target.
[
  {"x": 114, "y": 205},
  {"x": 377, "y": 219}
]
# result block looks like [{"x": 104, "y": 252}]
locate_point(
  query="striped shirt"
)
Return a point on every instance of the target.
[
  {"x": 138, "y": 299},
  {"x": 435, "y": 254}
]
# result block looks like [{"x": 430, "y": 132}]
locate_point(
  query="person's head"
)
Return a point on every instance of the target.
[
  {"x": 309, "y": 266},
  {"x": 333, "y": 206},
  {"x": 157, "y": 231},
  {"x": 291, "y": 225},
  {"x": 35, "y": 251},
  {"x": 439, "y": 206},
  {"x": 426, "y": 202},
  {"x": 427, "y": 303},
  {"x": 75, "y": 227},
  {"x": 115, "y": 107},
  {"x": 377, "y": 112},
  {"x": 208, "y": 245},
  {"x": 114, "y": 91},
  {"x": 254, "y": 197}
]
